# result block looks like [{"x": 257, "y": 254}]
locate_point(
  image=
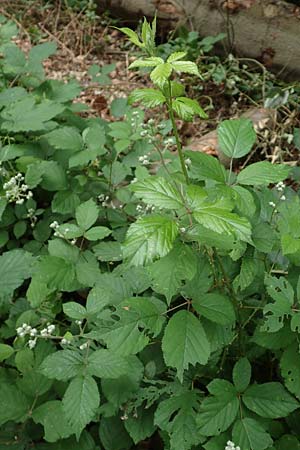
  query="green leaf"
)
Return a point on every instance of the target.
[
  {"x": 95, "y": 233},
  {"x": 218, "y": 411},
  {"x": 53, "y": 176},
  {"x": 161, "y": 74},
  {"x": 14, "y": 404},
  {"x": 80, "y": 402},
  {"x": 236, "y": 137},
  {"x": 269, "y": 400},
  {"x": 62, "y": 365},
  {"x": 148, "y": 238},
  {"x": 158, "y": 192},
  {"x": 241, "y": 374},
  {"x": 215, "y": 307},
  {"x": 65, "y": 202},
  {"x": 105, "y": 364},
  {"x": 108, "y": 251},
  {"x": 170, "y": 271},
  {"x": 65, "y": 138},
  {"x": 20, "y": 228},
  {"x": 133, "y": 37},
  {"x": 186, "y": 108},
  {"x": 176, "y": 56},
  {"x": 290, "y": 369},
  {"x": 205, "y": 167},
  {"x": 152, "y": 61},
  {"x": 247, "y": 273},
  {"x": 148, "y": 97},
  {"x": 51, "y": 416},
  {"x": 74, "y": 310},
  {"x": 263, "y": 173},
  {"x": 184, "y": 342},
  {"x": 119, "y": 439},
  {"x": 184, "y": 66},
  {"x": 15, "y": 267},
  {"x": 141, "y": 427},
  {"x": 177, "y": 416},
  {"x": 94, "y": 138},
  {"x": 5, "y": 351},
  {"x": 250, "y": 435},
  {"x": 282, "y": 293},
  {"x": 86, "y": 214}
]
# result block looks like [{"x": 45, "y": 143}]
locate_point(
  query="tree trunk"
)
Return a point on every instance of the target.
[{"x": 267, "y": 30}]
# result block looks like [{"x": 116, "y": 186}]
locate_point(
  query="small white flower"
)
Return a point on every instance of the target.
[
  {"x": 19, "y": 330},
  {"x": 283, "y": 197},
  {"x": 188, "y": 162},
  {"x": 50, "y": 329},
  {"x": 78, "y": 322},
  {"x": 83, "y": 346},
  {"x": 151, "y": 122},
  {"x": 33, "y": 332},
  {"x": 183, "y": 230},
  {"x": 161, "y": 126},
  {"x": 272, "y": 204},
  {"x": 124, "y": 417},
  {"x": 54, "y": 224},
  {"x": 134, "y": 180},
  {"x": 32, "y": 343},
  {"x": 73, "y": 241},
  {"x": 44, "y": 332},
  {"x": 143, "y": 133},
  {"x": 64, "y": 341}
]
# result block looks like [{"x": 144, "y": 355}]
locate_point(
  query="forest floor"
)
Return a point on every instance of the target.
[{"x": 232, "y": 86}]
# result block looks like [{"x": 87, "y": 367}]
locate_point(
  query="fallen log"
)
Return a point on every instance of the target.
[{"x": 267, "y": 30}]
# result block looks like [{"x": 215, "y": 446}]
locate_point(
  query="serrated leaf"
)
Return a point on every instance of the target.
[
  {"x": 282, "y": 293},
  {"x": 149, "y": 238},
  {"x": 187, "y": 108},
  {"x": 215, "y": 307},
  {"x": 176, "y": 415},
  {"x": 148, "y": 97},
  {"x": 290, "y": 369},
  {"x": 218, "y": 411},
  {"x": 250, "y": 435},
  {"x": 65, "y": 202},
  {"x": 97, "y": 233},
  {"x": 152, "y": 61},
  {"x": 14, "y": 404},
  {"x": 57, "y": 273},
  {"x": 170, "y": 271},
  {"x": 133, "y": 37},
  {"x": 241, "y": 374},
  {"x": 80, "y": 402},
  {"x": 5, "y": 351},
  {"x": 185, "y": 67},
  {"x": 141, "y": 427},
  {"x": 176, "y": 56},
  {"x": 247, "y": 274},
  {"x": 86, "y": 214},
  {"x": 65, "y": 138},
  {"x": 205, "y": 167},
  {"x": 263, "y": 173},
  {"x": 161, "y": 74},
  {"x": 270, "y": 400},
  {"x": 105, "y": 364},
  {"x": 119, "y": 439},
  {"x": 158, "y": 192},
  {"x": 236, "y": 137},
  {"x": 74, "y": 310},
  {"x": 15, "y": 267},
  {"x": 184, "y": 342},
  {"x": 62, "y": 365},
  {"x": 51, "y": 416}
]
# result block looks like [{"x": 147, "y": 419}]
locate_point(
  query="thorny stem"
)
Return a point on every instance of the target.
[{"x": 175, "y": 131}]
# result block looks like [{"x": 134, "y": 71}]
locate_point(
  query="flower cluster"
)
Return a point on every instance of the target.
[
  {"x": 16, "y": 190},
  {"x": 32, "y": 216},
  {"x": 145, "y": 209},
  {"x": 33, "y": 333},
  {"x": 231, "y": 446},
  {"x": 144, "y": 160}
]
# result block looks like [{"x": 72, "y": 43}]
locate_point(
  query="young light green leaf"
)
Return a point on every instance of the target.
[
  {"x": 80, "y": 402},
  {"x": 263, "y": 173},
  {"x": 241, "y": 374},
  {"x": 133, "y": 37},
  {"x": 217, "y": 412},
  {"x": 185, "y": 67},
  {"x": 148, "y": 97},
  {"x": 161, "y": 74},
  {"x": 86, "y": 214},
  {"x": 148, "y": 238},
  {"x": 236, "y": 137},
  {"x": 250, "y": 435},
  {"x": 270, "y": 400},
  {"x": 176, "y": 56},
  {"x": 215, "y": 307},
  {"x": 185, "y": 342},
  {"x": 152, "y": 61},
  {"x": 159, "y": 192},
  {"x": 187, "y": 108}
]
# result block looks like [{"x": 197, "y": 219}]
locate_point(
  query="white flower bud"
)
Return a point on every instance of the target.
[{"x": 32, "y": 343}]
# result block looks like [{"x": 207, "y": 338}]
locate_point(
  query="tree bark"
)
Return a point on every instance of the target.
[{"x": 267, "y": 30}]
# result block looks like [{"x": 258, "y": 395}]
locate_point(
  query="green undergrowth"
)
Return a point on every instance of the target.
[{"x": 143, "y": 292}]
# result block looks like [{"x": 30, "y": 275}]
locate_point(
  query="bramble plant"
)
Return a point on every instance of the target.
[{"x": 135, "y": 304}]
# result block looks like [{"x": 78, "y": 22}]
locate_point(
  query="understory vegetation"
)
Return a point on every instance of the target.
[{"x": 149, "y": 295}]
